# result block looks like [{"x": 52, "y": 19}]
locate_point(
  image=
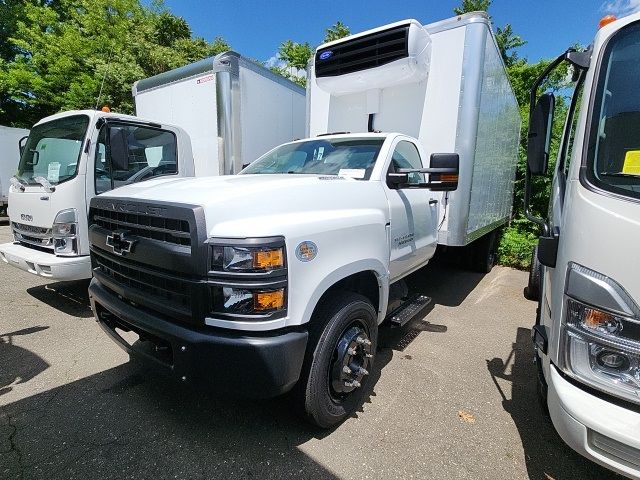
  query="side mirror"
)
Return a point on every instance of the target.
[
  {"x": 22, "y": 143},
  {"x": 118, "y": 148},
  {"x": 447, "y": 179},
  {"x": 539, "y": 138}
]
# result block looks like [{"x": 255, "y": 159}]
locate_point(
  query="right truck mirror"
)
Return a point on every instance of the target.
[
  {"x": 539, "y": 138},
  {"x": 445, "y": 169}
]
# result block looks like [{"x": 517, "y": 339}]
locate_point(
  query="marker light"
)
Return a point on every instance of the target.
[
  {"x": 267, "y": 259},
  {"x": 106, "y": 109},
  {"x": 606, "y": 20}
]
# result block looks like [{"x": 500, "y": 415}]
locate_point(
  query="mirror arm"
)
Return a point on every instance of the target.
[{"x": 428, "y": 170}]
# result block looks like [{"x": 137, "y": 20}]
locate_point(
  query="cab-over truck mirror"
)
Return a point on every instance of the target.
[
  {"x": 539, "y": 138},
  {"x": 443, "y": 174},
  {"x": 22, "y": 143}
]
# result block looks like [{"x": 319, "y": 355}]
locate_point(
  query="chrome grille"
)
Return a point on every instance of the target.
[{"x": 32, "y": 235}]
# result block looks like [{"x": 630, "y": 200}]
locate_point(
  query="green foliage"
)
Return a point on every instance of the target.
[
  {"x": 507, "y": 43},
  {"x": 472, "y": 6},
  {"x": 516, "y": 246},
  {"x": 59, "y": 52},
  {"x": 335, "y": 32}
]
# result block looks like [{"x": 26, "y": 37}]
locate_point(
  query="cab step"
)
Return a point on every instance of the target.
[{"x": 416, "y": 306}]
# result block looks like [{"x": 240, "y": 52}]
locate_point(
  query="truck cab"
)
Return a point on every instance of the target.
[
  {"x": 66, "y": 160},
  {"x": 587, "y": 334}
]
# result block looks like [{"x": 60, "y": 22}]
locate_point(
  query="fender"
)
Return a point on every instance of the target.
[{"x": 364, "y": 265}]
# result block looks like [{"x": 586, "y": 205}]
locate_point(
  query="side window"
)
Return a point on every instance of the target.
[
  {"x": 150, "y": 152},
  {"x": 406, "y": 155}
]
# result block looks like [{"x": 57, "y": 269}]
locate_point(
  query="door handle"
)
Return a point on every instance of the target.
[{"x": 433, "y": 202}]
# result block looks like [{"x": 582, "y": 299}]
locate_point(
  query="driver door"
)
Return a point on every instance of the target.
[{"x": 413, "y": 215}]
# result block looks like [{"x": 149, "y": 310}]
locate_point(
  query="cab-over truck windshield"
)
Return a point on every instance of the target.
[
  {"x": 613, "y": 159},
  {"x": 52, "y": 150},
  {"x": 352, "y": 157}
]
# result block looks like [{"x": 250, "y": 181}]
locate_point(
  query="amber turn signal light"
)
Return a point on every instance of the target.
[{"x": 264, "y": 301}]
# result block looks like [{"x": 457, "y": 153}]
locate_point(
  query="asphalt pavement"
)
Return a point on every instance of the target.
[{"x": 454, "y": 398}]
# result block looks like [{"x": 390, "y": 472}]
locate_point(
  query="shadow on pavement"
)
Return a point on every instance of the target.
[
  {"x": 546, "y": 455},
  {"x": 444, "y": 281},
  {"x": 71, "y": 298},
  {"x": 17, "y": 364}
]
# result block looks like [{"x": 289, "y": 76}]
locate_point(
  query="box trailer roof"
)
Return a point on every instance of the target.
[{"x": 212, "y": 65}]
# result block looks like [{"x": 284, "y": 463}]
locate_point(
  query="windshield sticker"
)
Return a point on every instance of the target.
[
  {"x": 352, "y": 172},
  {"x": 631, "y": 164},
  {"x": 53, "y": 173},
  {"x": 320, "y": 153}
]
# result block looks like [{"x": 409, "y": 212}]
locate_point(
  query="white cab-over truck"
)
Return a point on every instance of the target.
[
  {"x": 208, "y": 118},
  {"x": 277, "y": 279},
  {"x": 585, "y": 267},
  {"x": 9, "y": 157}
]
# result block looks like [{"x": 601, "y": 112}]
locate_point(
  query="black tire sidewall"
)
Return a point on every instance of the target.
[{"x": 319, "y": 404}]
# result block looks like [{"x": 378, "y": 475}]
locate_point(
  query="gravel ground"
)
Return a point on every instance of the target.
[{"x": 454, "y": 398}]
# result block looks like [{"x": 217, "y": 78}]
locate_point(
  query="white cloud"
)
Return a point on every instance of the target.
[{"x": 620, "y": 8}]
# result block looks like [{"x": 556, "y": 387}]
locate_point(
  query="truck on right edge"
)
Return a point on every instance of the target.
[{"x": 584, "y": 272}]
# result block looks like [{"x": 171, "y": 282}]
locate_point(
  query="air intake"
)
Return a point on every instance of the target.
[
  {"x": 363, "y": 53},
  {"x": 396, "y": 54}
]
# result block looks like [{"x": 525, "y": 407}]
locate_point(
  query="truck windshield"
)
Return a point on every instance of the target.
[
  {"x": 613, "y": 158},
  {"x": 52, "y": 150},
  {"x": 351, "y": 157}
]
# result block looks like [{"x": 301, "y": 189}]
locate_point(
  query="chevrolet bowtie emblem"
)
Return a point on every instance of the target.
[{"x": 119, "y": 244}]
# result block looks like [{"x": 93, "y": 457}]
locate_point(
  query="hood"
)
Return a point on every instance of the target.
[{"x": 260, "y": 205}]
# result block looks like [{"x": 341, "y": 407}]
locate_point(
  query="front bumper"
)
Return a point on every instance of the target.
[
  {"x": 602, "y": 431},
  {"x": 46, "y": 264},
  {"x": 230, "y": 361}
]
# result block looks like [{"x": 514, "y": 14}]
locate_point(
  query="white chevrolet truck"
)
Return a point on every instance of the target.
[
  {"x": 206, "y": 118},
  {"x": 277, "y": 279},
  {"x": 584, "y": 272}
]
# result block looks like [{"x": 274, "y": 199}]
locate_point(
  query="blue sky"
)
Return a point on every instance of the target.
[{"x": 255, "y": 28}]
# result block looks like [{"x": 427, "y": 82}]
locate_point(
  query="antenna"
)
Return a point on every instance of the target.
[{"x": 106, "y": 70}]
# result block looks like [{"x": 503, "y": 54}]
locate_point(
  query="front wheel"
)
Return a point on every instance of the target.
[{"x": 336, "y": 372}]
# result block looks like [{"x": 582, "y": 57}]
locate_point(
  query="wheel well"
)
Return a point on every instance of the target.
[{"x": 365, "y": 283}]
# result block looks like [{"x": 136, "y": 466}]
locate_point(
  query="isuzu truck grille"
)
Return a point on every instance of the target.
[
  {"x": 363, "y": 53},
  {"x": 38, "y": 236}
]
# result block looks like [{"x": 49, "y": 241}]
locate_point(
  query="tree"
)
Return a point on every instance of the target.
[
  {"x": 295, "y": 56},
  {"x": 336, "y": 31},
  {"x": 472, "y": 6},
  {"x": 60, "y": 52}
]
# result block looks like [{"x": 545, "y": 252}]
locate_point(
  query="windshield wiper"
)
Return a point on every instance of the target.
[
  {"x": 15, "y": 181},
  {"x": 45, "y": 183}
]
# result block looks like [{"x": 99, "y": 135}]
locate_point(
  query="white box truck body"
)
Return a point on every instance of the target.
[
  {"x": 584, "y": 273},
  {"x": 451, "y": 92},
  {"x": 277, "y": 278},
  {"x": 233, "y": 109},
  {"x": 9, "y": 158},
  {"x": 208, "y": 118}
]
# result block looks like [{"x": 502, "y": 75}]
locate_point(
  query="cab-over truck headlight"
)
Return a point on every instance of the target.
[
  {"x": 64, "y": 232},
  {"x": 249, "y": 278},
  {"x": 600, "y": 341}
]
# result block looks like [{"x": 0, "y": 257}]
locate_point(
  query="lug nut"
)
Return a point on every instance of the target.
[
  {"x": 363, "y": 341},
  {"x": 351, "y": 351},
  {"x": 363, "y": 371},
  {"x": 347, "y": 370},
  {"x": 368, "y": 355},
  {"x": 354, "y": 383},
  {"x": 183, "y": 348}
]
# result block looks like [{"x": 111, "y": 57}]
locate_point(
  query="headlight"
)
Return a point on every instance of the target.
[
  {"x": 241, "y": 301},
  {"x": 599, "y": 346},
  {"x": 65, "y": 229},
  {"x": 247, "y": 258}
]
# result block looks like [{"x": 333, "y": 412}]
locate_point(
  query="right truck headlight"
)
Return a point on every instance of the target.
[
  {"x": 600, "y": 341},
  {"x": 64, "y": 232}
]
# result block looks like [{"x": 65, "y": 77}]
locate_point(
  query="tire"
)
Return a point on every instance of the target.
[
  {"x": 532, "y": 290},
  {"x": 484, "y": 253},
  {"x": 332, "y": 325}
]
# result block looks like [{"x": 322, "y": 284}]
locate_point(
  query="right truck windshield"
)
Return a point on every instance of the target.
[{"x": 613, "y": 158}]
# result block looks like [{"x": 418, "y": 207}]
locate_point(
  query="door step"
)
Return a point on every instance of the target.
[{"x": 416, "y": 306}]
